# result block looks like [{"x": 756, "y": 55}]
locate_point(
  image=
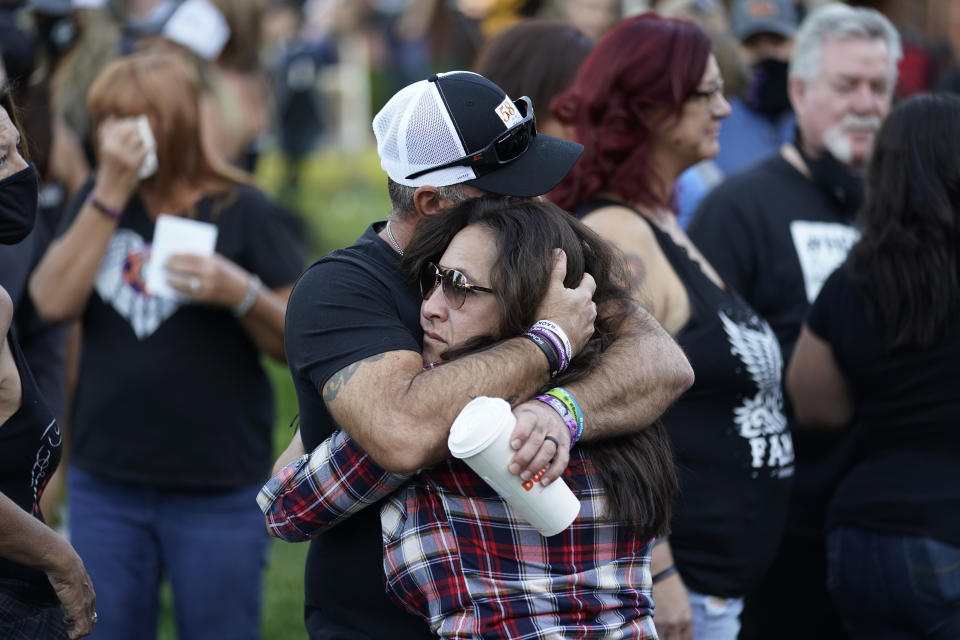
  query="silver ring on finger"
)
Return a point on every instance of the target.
[
  {"x": 94, "y": 618},
  {"x": 194, "y": 285}
]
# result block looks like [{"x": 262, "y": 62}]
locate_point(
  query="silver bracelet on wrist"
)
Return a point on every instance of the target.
[{"x": 249, "y": 297}]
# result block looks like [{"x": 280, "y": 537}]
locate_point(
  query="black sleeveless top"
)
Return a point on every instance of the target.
[
  {"x": 30, "y": 447},
  {"x": 734, "y": 451}
]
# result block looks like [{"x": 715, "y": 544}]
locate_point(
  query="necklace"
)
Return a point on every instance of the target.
[{"x": 393, "y": 240}]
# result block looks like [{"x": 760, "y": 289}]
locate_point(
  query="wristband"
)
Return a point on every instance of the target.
[
  {"x": 249, "y": 297},
  {"x": 553, "y": 341},
  {"x": 561, "y": 409},
  {"x": 666, "y": 573},
  {"x": 570, "y": 403},
  {"x": 547, "y": 351},
  {"x": 546, "y": 324},
  {"x": 113, "y": 214}
]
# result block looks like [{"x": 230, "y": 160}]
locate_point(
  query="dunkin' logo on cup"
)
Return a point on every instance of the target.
[
  {"x": 508, "y": 113},
  {"x": 528, "y": 485}
]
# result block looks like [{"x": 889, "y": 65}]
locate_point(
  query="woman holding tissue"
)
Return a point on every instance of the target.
[
  {"x": 173, "y": 411},
  {"x": 454, "y": 551}
]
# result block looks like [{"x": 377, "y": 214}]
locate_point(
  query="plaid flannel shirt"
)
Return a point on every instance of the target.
[{"x": 456, "y": 554}]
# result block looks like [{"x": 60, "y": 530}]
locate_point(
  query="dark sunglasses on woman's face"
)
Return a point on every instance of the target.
[
  {"x": 503, "y": 149},
  {"x": 454, "y": 284}
]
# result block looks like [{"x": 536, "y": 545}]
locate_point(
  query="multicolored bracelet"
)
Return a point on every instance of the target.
[
  {"x": 568, "y": 419},
  {"x": 571, "y": 405}
]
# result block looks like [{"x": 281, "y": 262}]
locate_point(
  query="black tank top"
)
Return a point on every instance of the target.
[
  {"x": 734, "y": 451},
  {"x": 30, "y": 448}
]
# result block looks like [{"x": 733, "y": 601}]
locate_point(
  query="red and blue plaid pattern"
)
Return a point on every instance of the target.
[{"x": 455, "y": 554}]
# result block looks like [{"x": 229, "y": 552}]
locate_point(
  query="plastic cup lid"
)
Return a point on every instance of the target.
[{"x": 478, "y": 425}]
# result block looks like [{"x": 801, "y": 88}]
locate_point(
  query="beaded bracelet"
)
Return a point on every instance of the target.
[
  {"x": 565, "y": 415},
  {"x": 547, "y": 351},
  {"x": 570, "y": 403}
]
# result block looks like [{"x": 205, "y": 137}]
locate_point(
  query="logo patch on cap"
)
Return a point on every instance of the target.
[
  {"x": 508, "y": 112},
  {"x": 761, "y": 10}
]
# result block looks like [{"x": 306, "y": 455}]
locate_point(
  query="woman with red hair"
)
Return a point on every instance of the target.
[{"x": 647, "y": 105}]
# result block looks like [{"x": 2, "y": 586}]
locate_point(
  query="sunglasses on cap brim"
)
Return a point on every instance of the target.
[{"x": 505, "y": 148}]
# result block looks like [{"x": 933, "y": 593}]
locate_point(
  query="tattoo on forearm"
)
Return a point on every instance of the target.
[{"x": 340, "y": 378}]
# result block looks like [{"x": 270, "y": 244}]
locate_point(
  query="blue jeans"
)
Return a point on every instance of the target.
[
  {"x": 715, "y": 618},
  {"x": 212, "y": 546},
  {"x": 890, "y": 587}
]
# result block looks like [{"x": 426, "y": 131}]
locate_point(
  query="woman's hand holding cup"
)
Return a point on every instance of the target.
[{"x": 541, "y": 441}]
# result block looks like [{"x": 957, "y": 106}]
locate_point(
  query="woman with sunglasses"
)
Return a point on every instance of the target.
[
  {"x": 647, "y": 104},
  {"x": 454, "y": 552}
]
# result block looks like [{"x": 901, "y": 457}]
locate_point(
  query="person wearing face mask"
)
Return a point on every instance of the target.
[
  {"x": 761, "y": 118},
  {"x": 775, "y": 232},
  {"x": 39, "y": 570}
]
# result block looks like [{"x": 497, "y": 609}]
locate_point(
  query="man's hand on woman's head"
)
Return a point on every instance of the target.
[
  {"x": 571, "y": 309},
  {"x": 541, "y": 440}
]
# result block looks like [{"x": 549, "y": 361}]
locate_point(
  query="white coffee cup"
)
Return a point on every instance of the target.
[{"x": 480, "y": 436}]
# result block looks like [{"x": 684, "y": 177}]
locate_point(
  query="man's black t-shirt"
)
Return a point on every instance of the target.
[
  {"x": 173, "y": 394},
  {"x": 347, "y": 306},
  {"x": 775, "y": 236},
  {"x": 906, "y": 475}
]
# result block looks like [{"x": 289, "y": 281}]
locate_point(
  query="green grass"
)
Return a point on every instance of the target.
[{"x": 338, "y": 196}]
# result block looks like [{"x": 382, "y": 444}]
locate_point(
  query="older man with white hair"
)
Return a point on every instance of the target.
[{"x": 775, "y": 232}]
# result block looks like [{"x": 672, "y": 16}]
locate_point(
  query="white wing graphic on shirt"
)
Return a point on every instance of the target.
[
  {"x": 760, "y": 418},
  {"x": 758, "y": 349}
]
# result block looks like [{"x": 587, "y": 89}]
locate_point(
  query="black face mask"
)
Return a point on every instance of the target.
[
  {"x": 767, "y": 92},
  {"x": 18, "y": 205},
  {"x": 842, "y": 185}
]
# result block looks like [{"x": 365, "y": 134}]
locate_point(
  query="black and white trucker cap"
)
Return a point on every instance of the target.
[{"x": 462, "y": 119}]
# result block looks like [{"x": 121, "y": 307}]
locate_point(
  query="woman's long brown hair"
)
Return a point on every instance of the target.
[{"x": 636, "y": 471}]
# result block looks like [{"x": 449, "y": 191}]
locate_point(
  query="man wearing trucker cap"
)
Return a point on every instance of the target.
[{"x": 353, "y": 335}]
